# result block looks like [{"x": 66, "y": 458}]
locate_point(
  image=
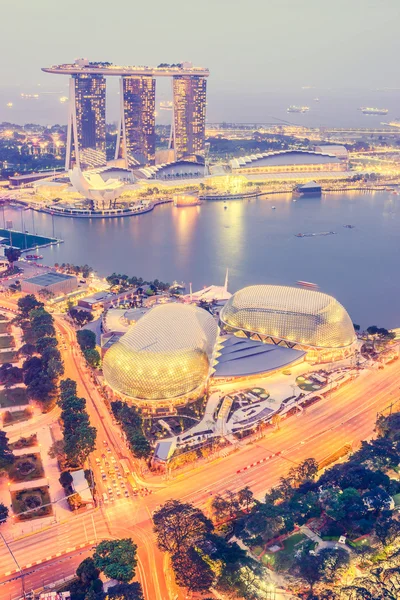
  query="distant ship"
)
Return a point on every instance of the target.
[
  {"x": 30, "y": 96},
  {"x": 298, "y": 109},
  {"x": 63, "y": 99},
  {"x": 366, "y": 110}
]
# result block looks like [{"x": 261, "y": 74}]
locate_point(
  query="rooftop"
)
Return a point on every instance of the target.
[
  {"x": 83, "y": 66},
  {"x": 241, "y": 357},
  {"x": 49, "y": 278}
]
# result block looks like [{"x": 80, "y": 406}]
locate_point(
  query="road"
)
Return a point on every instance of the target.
[{"x": 347, "y": 415}]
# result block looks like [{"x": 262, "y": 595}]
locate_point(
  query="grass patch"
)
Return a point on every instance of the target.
[
  {"x": 4, "y": 326},
  {"x": 292, "y": 541},
  {"x": 7, "y": 357},
  {"x": 268, "y": 559},
  {"x": 13, "y": 397},
  {"x": 26, "y": 468},
  {"x": 31, "y": 504},
  {"x": 396, "y": 499},
  {"x": 7, "y": 341},
  {"x": 9, "y": 418},
  {"x": 257, "y": 550},
  {"x": 24, "y": 442}
]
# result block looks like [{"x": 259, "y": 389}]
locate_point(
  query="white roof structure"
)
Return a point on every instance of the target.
[
  {"x": 210, "y": 293},
  {"x": 81, "y": 485},
  {"x": 92, "y": 186},
  {"x": 336, "y": 149}
]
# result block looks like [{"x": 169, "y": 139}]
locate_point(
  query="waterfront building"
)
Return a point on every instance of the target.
[
  {"x": 335, "y": 149},
  {"x": 291, "y": 317},
  {"x": 136, "y": 130},
  {"x": 56, "y": 283},
  {"x": 189, "y": 116},
  {"x": 86, "y": 135},
  {"x": 287, "y": 161},
  {"x": 166, "y": 359}
]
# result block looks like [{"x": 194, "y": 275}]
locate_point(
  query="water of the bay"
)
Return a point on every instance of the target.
[{"x": 257, "y": 243}]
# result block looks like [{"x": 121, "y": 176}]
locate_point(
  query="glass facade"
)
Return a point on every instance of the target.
[
  {"x": 189, "y": 115},
  {"x": 138, "y": 126},
  {"x": 167, "y": 355},
  {"x": 298, "y": 317},
  {"x": 90, "y": 111}
]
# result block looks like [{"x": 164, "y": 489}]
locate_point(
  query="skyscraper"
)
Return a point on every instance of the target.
[
  {"x": 136, "y": 133},
  {"x": 86, "y": 138},
  {"x": 189, "y": 115}
]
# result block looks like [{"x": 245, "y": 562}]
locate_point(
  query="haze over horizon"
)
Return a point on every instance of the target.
[{"x": 258, "y": 52}]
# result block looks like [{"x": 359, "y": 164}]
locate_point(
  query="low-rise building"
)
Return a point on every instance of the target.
[{"x": 56, "y": 283}]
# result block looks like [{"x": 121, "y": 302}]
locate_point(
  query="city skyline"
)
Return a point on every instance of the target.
[{"x": 273, "y": 51}]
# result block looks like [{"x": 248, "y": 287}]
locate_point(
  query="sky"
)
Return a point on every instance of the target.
[{"x": 253, "y": 48}]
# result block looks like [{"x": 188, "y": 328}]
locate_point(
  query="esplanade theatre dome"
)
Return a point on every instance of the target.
[
  {"x": 289, "y": 316},
  {"x": 166, "y": 356}
]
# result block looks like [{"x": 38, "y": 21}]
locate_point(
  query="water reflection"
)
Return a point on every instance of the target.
[{"x": 258, "y": 244}]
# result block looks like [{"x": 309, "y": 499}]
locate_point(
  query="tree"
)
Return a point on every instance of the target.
[
  {"x": 191, "y": 571},
  {"x": 28, "y": 303},
  {"x": 46, "y": 342},
  {"x": 66, "y": 479},
  {"x": 178, "y": 526},
  {"x": 10, "y": 375},
  {"x": 246, "y": 498},
  {"x": 6, "y": 455},
  {"x": 387, "y": 530},
  {"x": 81, "y": 317},
  {"x": 57, "y": 450},
  {"x": 55, "y": 368},
  {"x": 87, "y": 571},
  {"x": 27, "y": 350},
  {"x": 79, "y": 444},
  {"x": 116, "y": 559},
  {"x": 12, "y": 255},
  {"x": 86, "y": 339},
  {"x": 3, "y": 513},
  {"x": 92, "y": 357},
  {"x": 74, "y": 404},
  {"x": 125, "y": 591},
  {"x": 332, "y": 563}
]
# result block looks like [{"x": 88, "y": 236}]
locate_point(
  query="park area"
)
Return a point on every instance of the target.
[
  {"x": 24, "y": 241},
  {"x": 17, "y": 416},
  {"x": 6, "y": 341},
  {"x": 13, "y": 397},
  {"x": 26, "y": 467},
  {"x": 282, "y": 553},
  {"x": 8, "y": 357},
  {"x": 312, "y": 382},
  {"x": 31, "y": 504}
]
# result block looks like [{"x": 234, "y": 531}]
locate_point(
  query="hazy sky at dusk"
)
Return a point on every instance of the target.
[{"x": 250, "y": 46}]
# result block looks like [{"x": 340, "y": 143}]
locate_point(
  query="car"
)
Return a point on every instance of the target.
[
  {"x": 103, "y": 456},
  {"x": 103, "y": 476},
  {"x": 97, "y": 461},
  {"x": 108, "y": 449},
  {"x": 105, "y": 443},
  {"x": 107, "y": 464},
  {"x": 113, "y": 459},
  {"x": 126, "y": 494},
  {"x": 110, "y": 491},
  {"x": 119, "y": 476},
  {"x": 115, "y": 484},
  {"x": 123, "y": 484},
  {"x": 118, "y": 492}
]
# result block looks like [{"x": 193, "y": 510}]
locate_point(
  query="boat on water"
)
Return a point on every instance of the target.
[
  {"x": 368, "y": 110},
  {"x": 225, "y": 207},
  {"x": 307, "y": 284},
  {"x": 297, "y": 109},
  {"x": 273, "y": 207},
  {"x": 349, "y": 226},
  {"x": 301, "y": 235},
  {"x": 34, "y": 257}
]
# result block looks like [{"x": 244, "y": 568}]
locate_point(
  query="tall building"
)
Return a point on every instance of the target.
[
  {"x": 86, "y": 139},
  {"x": 136, "y": 133},
  {"x": 189, "y": 115}
]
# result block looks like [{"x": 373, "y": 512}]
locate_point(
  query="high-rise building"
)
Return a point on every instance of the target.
[
  {"x": 189, "y": 115},
  {"x": 136, "y": 133},
  {"x": 86, "y": 141}
]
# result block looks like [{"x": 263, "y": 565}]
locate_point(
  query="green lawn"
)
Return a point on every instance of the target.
[
  {"x": 26, "y": 468},
  {"x": 6, "y": 341},
  {"x": 7, "y": 357},
  {"x": 396, "y": 499},
  {"x": 292, "y": 541},
  {"x": 4, "y": 326},
  {"x": 24, "y": 241},
  {"x": 26, "y": 500},
  {"x": 13, "y": 397},
  {"x": 10, "y": 418},
  {"x": 24, "y": 442}
]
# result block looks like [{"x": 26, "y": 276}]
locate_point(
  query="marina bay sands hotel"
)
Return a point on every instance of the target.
[{"x": 86, "y": 138}]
